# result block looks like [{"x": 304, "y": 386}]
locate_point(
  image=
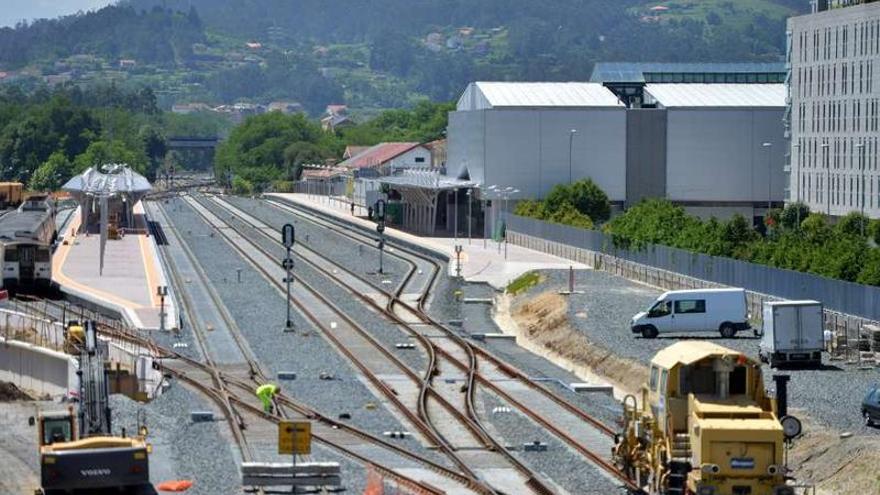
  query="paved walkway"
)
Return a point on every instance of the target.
[
  {"x": 132, "y": 273},
  {"x": 481, "y": 260}
]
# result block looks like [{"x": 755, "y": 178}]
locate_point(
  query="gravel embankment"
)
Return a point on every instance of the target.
[
  {"x": 558, "y": 463},
  {"x": 831, "y": 395},
  {"x": 259, "y": 310},
  {"x": 182, "y": 449}
]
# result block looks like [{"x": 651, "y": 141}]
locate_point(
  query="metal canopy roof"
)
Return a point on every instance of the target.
[
  {"x": 716, "y": 95},
  {"x": 116, "y": 179},
  {"x": 425, "y": 179},
  {"x": 635, "y": 71},
  {"x": 488, "y": 95}
]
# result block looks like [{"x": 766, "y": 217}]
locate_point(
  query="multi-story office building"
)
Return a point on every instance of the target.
[{"x": 834, "y": 113}]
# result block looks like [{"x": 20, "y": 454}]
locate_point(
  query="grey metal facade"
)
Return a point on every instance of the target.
[
  {"x": 645, "y": 155},
  {"x": 834, "y": 86},
  {"x": 528, "y": 149}
]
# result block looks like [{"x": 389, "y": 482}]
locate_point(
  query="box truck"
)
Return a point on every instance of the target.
[
  {"x": 793, "y": 333},
  {"x": 700, "y": 310}
]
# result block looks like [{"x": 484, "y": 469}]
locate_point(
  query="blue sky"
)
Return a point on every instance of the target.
[{"x": 12, "y": 11}]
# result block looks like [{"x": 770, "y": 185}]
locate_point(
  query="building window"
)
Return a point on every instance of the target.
[{"x": 420, "y": 159}]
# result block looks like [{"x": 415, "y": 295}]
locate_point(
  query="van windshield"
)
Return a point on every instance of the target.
[{"x": 660, "y": 308}]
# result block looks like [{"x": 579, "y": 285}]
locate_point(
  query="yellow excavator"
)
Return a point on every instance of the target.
[{"x": 78, "y": 451}]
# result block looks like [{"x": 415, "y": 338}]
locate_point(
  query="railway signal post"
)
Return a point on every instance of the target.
[{"x": 287, "y": 238}]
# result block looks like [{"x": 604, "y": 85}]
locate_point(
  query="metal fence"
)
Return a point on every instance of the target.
[{"x": 837, "y": 295}]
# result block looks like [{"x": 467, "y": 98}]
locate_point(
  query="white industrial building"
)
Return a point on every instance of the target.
[
  {"x": 533, "y": 136},
  {"x": 834, "y": 86},
  {"x": 716, "y": 149},
  {"x": 723, "y": 152}
]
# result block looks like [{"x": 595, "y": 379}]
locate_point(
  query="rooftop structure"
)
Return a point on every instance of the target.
[
  {"x": 489, "y": 95},
  {"x": 715, "y": 95},
  {"x": 628, "y": 79}
]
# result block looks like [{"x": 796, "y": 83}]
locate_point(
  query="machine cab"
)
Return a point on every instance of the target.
[
  {"x": 702, "y": 373},
  {"x": 56, "y": 427}
]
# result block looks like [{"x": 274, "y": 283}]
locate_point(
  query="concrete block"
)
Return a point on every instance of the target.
[
  {"x": 201, "y": 416},
  {"x": 582, "y": 387},
  {"x": 535, "y": 446},
  {"x": 286, "y": 375}
]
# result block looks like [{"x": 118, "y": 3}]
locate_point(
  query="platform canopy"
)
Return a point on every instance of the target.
[
  {"x": 420, "y": 190},
  {"x": 111, "y": 180}
]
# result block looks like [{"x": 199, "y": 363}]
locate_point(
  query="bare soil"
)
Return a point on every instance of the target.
[
  {"x": 835, "y": 465},
  {"x": 9, "y": 392}
]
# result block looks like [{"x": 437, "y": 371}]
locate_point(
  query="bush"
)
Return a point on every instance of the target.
[
  {"x": 242, "y": 187},
  {"x": 793, "y": 214},
  {"x": 853, "y": 223}
]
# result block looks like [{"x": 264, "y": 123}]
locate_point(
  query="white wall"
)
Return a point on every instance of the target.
[
  {"x": 38, "y": 370},
  {"x": 408, "y": 159},
  {"x": 529, "y": 148},
  {"x": 717, "y": 155}
]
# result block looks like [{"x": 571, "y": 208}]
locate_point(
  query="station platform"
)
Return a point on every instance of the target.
[
  {"x": 132, "y": 273},
  {"x": 481, "y": 260}
]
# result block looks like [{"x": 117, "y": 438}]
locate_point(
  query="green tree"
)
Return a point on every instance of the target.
[
  {"x": 302, "y": 153},
  {"x": 51, "y": 174},
  {"x": 584, "y": 195},
  {"x": 100, "y": 153},
  {"x": 853, "y": 224},
  {"x": 567, "y": 214},
  {"x": 793, "y": 214}
]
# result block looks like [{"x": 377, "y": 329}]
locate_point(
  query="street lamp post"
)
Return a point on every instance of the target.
[
  {"x": 470, "y": 210},
  {"x": 861, "y": 148},
  {"x": 489, "y": 190},
  {"x": 570, "y": 146},
  {"x": 769, "y": 148},
  {"x": 827, "y": 165},
  {"x": 455, "y": 221}
]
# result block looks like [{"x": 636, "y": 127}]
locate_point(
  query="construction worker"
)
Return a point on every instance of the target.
[{"x": 266, "y": 393}]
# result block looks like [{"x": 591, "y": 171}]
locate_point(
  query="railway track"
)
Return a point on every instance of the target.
[
  {"x": 420, "y": 263},
  {"x": 233, "y": 394},
  {"x": 358, "y": 345},
  {"x": 446, "y": 349}
]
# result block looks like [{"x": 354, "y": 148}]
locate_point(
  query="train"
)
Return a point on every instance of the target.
[
  {"x": 27, "y": 235},
  {"x": 705, "y": 425}
]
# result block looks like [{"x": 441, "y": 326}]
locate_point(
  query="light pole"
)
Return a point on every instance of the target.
[
  {"x": 455, "y": 221},
  {"x": 570, "y": 147},
  {"x": 469, "y": 195},
  {"x": 769, "y": 148},
  {"x": 797, "y": 182},
  {"x": 861, "y": 148},
  {"x": 827, "y": 165},
  {"x": 489, "y": 190}
]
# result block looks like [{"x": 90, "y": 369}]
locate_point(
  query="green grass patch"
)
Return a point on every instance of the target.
[{"x": 523, "y": 283}]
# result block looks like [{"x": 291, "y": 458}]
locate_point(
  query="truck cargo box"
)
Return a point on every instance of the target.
[{"x": 793, "y": 333}]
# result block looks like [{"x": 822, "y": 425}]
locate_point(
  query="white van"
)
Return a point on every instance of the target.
[{"x": 682, "y": 311}]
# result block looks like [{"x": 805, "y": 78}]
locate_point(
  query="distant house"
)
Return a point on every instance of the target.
[
  {"x": 127, "y": 63},
  {"x": 285, "y": 107},
  {"x": 466, "y": 31},
  {"x": 3, "y": 75},
  {"x": 253, "y": 45},
  {"x": 453, "y": 43},
  {"x": 56, "y": 79},
  {"x": 333, "y": 122},
  {"x": 388, "y": 158},
  {"x": 434, "y": 41}
]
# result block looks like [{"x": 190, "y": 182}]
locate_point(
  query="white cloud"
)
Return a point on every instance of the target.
[{"x": 13, "y": 11}]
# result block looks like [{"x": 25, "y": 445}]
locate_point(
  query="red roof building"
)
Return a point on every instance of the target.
[{"x": 388, "y": 157}]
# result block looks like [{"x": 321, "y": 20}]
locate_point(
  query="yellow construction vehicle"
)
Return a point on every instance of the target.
[
  {"x": 78, "y": 451},
  {"x": 706, "y": 426}
]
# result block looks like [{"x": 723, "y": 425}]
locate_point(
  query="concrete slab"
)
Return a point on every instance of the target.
[
  {"x": 481, "y": 260},
  {"x": 127, "y": 285}
]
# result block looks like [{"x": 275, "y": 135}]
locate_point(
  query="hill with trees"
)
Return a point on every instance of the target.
[{"x": 374, "y": 54}]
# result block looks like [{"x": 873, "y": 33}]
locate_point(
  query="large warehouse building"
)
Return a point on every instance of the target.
[
  {"x": 532, "y": 136},
  {"x": 834, "y": 55},
  {"x": 717, "y": 149},
  {"x": 723, "y": 151}
]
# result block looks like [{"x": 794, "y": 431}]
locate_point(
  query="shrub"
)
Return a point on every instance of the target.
[{"x": 584, "y": 195}]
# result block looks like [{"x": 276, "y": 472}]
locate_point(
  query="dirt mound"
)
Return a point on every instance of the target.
[
  {"x": 543, "y": 321},
  {"x": 9, "y": 392}
]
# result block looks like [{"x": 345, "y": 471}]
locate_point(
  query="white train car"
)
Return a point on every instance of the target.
[{"x": 26, "y": 238}]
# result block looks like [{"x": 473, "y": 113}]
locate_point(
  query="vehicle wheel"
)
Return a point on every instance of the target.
[
  {"x": 868, "y": 420},
  {"x": 649, "y": 332},
  {"x": 727, "y": 331}
]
